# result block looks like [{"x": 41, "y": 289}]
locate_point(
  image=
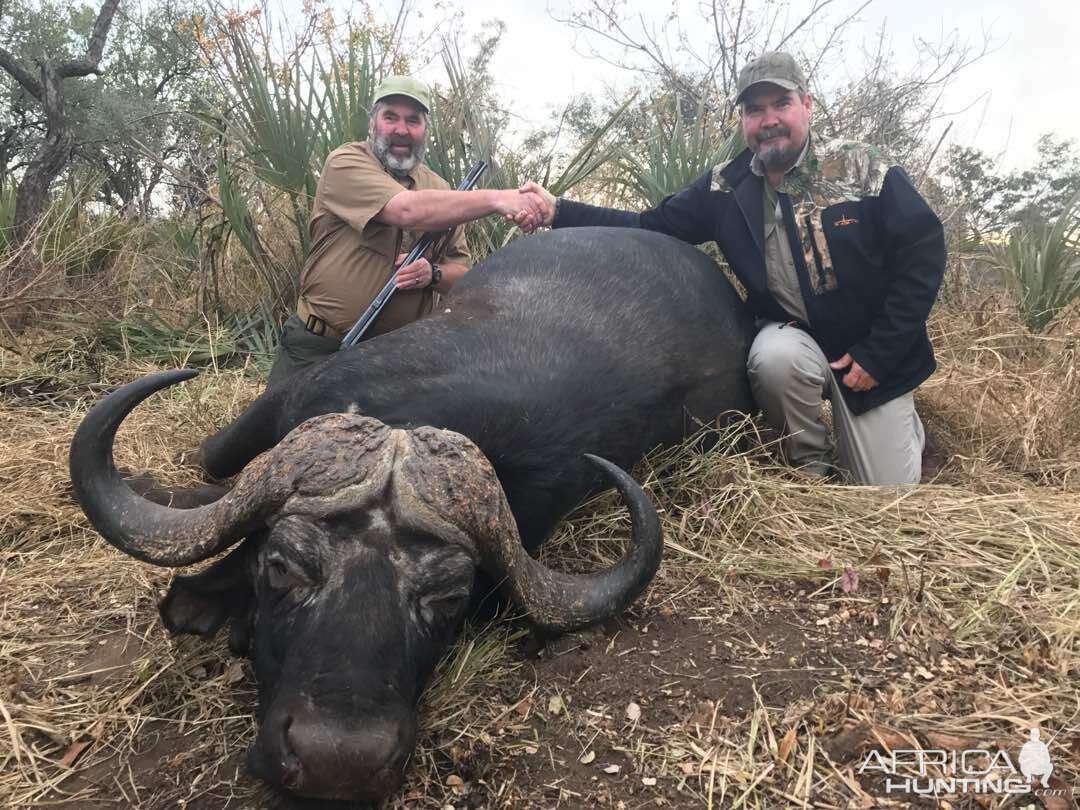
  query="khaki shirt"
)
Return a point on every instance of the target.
[
  {"x": 352, "y": 255},
  {"x": 780, "y": 274}
]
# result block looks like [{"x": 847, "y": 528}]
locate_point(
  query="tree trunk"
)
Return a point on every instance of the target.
[
  {"x": 52, "y": 157},
  {"x": 33, "y": 190},
  {"x": 148, "y": 192}
]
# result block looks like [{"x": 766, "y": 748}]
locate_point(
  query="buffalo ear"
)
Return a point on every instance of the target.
[{"x": 201, "y": 603}]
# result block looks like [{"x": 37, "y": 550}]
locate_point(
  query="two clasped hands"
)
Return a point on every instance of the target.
[{"x": 529, "y": 207}]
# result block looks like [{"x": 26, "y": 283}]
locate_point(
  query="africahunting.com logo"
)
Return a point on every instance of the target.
[{"x": 931, "y": 772}]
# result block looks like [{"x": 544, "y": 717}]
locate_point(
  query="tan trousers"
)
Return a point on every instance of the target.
[{"x": 790, "y": 376}]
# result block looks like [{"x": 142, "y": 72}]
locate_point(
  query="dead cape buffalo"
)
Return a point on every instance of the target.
[{"x": 365, "y": 538}]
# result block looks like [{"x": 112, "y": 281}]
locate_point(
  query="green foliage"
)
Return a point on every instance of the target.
[
  {"x": 280, "y": 279},
  {"x": 243, "y": 338},
  {"x": 1043, "y": 260},
  {"x": 285, "y": 121},
  {"x": 349, "y": 90},
  {"x": 130, "y": 117},
  {"x": 275, "y": 122},
  {"x": 287, "y": 118},
  {"x": 678, "y": 149},
  {"x": 995, "y": 201}
]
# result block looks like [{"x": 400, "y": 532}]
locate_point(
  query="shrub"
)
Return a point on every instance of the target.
[{"x": 1042, "y": 260}]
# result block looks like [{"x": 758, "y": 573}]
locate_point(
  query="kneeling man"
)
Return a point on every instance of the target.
[{"x": 841, "y": 259}]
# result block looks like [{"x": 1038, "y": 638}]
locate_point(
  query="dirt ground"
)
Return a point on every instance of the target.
[
  {"x": 633, "y": 714},
  {"x": 578, "y": 718}
]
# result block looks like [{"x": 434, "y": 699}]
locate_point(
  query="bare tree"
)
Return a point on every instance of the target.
[
  {"x": 706, "y": 73},
  {"x": 48, "y": 88},
  {"x": 898, "y": 108},
  {"x": 698, "y": 58}
]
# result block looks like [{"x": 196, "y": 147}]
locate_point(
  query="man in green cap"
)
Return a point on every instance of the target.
[
  {"x": 374, "y": 199},
  {"x": 841, "y": 259}
]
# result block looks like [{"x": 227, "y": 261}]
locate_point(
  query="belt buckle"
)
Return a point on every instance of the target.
[{"x": 315, "y": 325}]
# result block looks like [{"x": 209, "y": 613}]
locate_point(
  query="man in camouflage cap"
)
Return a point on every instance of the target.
[
  {"x": 374, "y": 199},
  {"x": 841, "y": 259}
]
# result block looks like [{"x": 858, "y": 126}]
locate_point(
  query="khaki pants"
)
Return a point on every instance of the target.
[
  {"x": 790, "y": 376},
  {"x": 298, "y": 348}
]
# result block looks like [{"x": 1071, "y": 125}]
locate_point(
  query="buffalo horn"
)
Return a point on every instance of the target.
[
  {"x": 141, "y": 528},
  {"x": 445, "y": 485},
  {"x": 564, "y": 602}
]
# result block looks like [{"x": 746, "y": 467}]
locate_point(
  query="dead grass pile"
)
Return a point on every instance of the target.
[
  {"x": 968, "y": 604},
  {"x": 793, "y": 626},
  {"x": 105, "y": 268},
  {"x": 1003, "y": 397}
]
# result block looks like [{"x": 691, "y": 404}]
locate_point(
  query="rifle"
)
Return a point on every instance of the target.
[{"x": 422, "y": 244}]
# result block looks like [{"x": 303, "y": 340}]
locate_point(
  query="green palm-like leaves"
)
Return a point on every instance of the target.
[
  {"x": 286, "y": 119},
  {"x": 678, "y": 149},
  {"x": 348, "y": 87},
  {"x": 1043, "y": 261}
]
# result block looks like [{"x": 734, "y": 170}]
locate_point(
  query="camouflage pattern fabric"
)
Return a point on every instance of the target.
[
  {"x": 836, "y": 172},
  {"x": 718, "y": 183}
]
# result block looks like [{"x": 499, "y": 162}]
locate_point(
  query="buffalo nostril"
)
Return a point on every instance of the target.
[{"x": 292, "y": 773}]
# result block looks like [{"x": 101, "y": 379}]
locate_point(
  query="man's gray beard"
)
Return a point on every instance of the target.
[
  {"x": 398, "y": 164},
  {"x": 779, "y": 157}
]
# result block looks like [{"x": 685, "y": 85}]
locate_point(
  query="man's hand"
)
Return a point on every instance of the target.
[
  {"x": 548, "y": 198},
  {"x": 526, "y": 210},
  {"x": 857, "y": 379},
  {"x": 415, "y": 276}
]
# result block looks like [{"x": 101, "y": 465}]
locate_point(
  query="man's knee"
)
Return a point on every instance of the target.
[{"x": 777, "y": 360}]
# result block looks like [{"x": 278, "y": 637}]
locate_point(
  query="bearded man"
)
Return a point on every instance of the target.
[
  {"x": 841, "y": 259},
  {"x": 373, "y": 201}
]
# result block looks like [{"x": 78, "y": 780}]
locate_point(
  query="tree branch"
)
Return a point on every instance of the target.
[
  {"x": 818, "y": 6},
  {"x": 89, "y": 63},
  {"x": 17, "y": 72}
]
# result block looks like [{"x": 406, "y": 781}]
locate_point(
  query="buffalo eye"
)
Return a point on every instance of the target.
[{"x": 280, "y": 576}]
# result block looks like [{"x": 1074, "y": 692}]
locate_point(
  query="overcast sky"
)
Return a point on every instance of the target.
[{"x": 1025, "y": 87}]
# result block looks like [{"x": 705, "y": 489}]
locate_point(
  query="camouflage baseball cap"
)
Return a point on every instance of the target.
[
  {"x": 407, "y": 86},
  {"x": 777, "y": 68}
]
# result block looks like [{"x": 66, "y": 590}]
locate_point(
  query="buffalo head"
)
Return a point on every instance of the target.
[{"x": 362, "y": 546}]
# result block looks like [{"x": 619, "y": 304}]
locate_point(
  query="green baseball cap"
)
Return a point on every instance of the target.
[
  {"x": 407, "y": 86},
  {"x": 777, "y": 68}
]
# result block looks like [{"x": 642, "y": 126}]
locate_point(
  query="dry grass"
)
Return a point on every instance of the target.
[
  {"x": 1004, "y": 398},
  {"x": 945, "y": 615}
]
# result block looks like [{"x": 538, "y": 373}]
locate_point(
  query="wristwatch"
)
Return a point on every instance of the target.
[{"x": 436, "y": 275}]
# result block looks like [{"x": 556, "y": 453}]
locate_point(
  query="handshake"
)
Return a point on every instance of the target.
[{"x": 529, "y": 207}]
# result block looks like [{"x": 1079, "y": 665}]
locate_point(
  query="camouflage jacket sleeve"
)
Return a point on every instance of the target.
[
  {"x": 914, "y": 243},
  {"x": 684, "y": 215}
]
